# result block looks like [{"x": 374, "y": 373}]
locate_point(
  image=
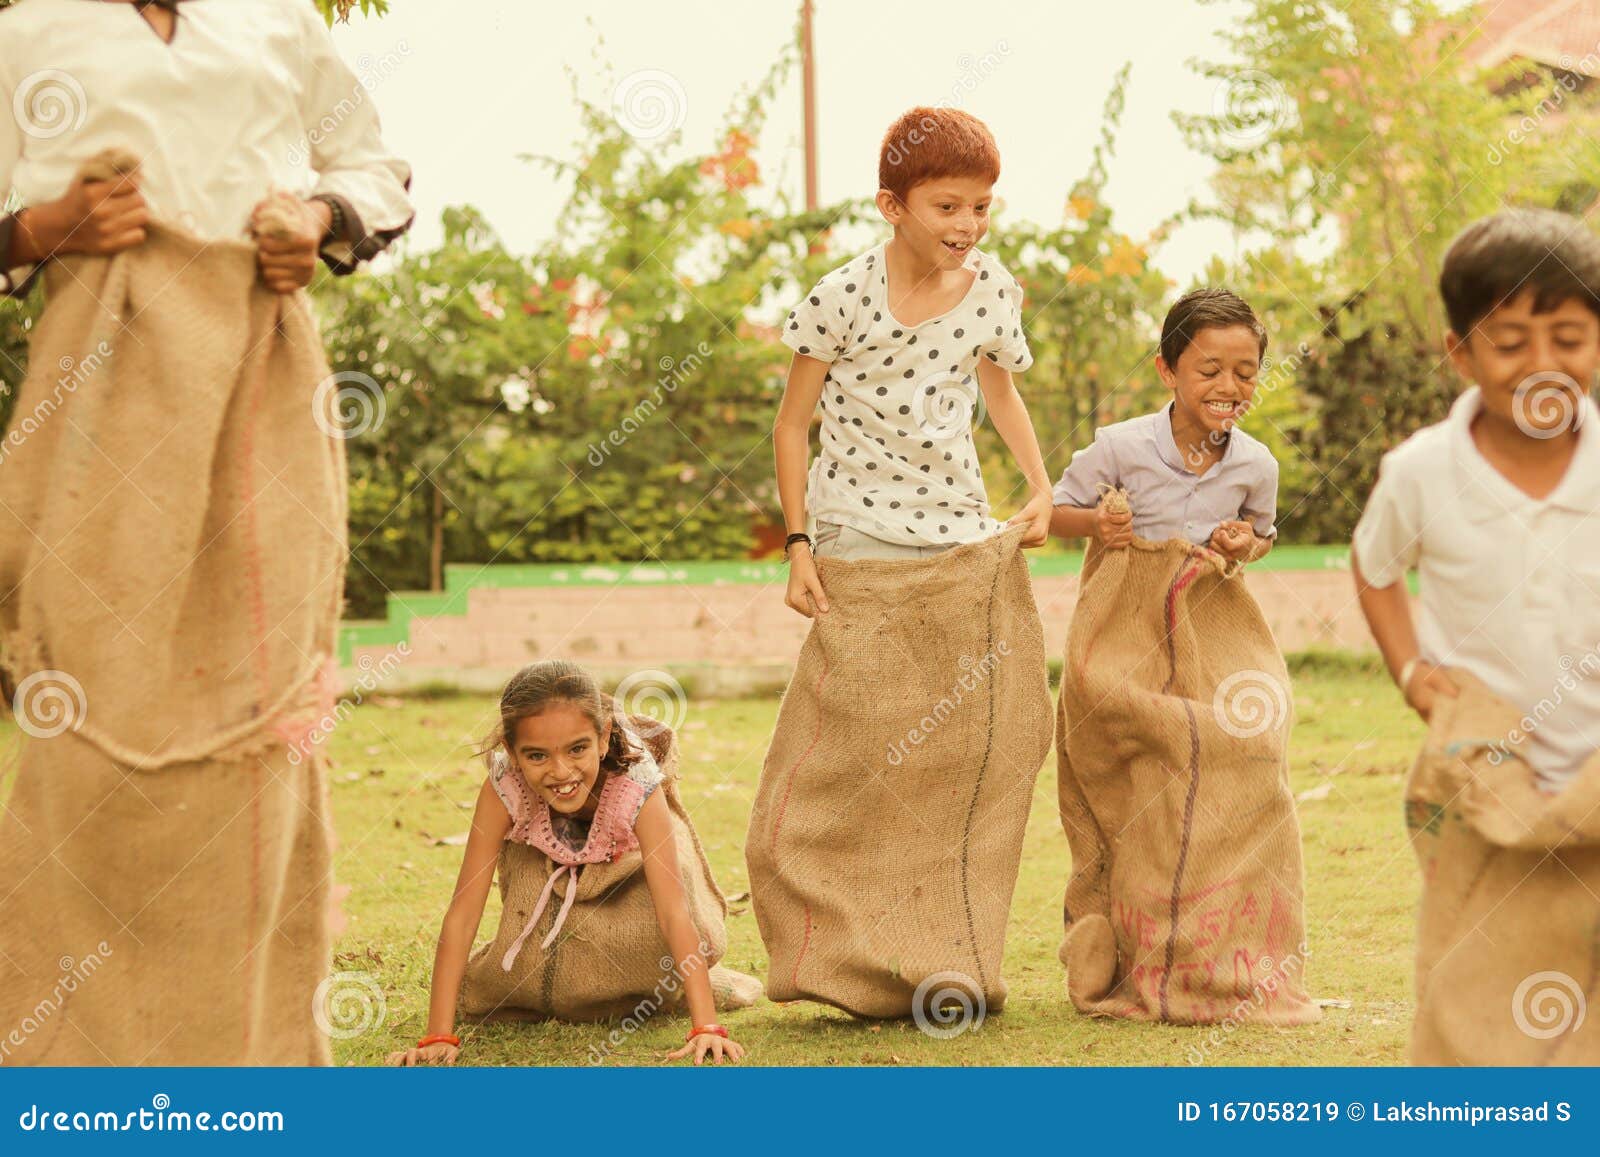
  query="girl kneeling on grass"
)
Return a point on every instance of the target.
[{"x": 572, "y": 792}]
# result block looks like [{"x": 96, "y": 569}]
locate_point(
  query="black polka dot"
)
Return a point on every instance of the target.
[
  {"x": 794, "y": 325},
  {"x": 897, "y": 333},
  {"x": 868, "y": 501},
  {"x": 920, "y": 514},
  {"x": 861, "y": 377},
  {"x": 944, "y": 530},
  {"x": 912, "y": 340},
  {"x": 984, "y": 276},
  {"x": 959, "y": 332},
  {"x": 839, "y": 399},
  {"x": 851, "y": 288},
  {"x": 932, "y": 354},
  {"x": 805, "y": 349},
  {"x": 982, "y": 311},
  {"x": 894, "y": 506},
  {"x": 922, "y": 490},
  {"x": 889, "y": 361},
  {"x": 911, "y": 373},
  {"x": 850, "y": 451},
  {"x": 905, "y": 409}
]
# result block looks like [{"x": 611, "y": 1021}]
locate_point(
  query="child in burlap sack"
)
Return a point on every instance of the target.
[
  {"x": 1185, "y": 902},
  {"x": 1498, "y": 509},
  {"x": 172, "y": 520},
  {"x": 927, "y": 607},
  {"x": 581, "y": 796}
]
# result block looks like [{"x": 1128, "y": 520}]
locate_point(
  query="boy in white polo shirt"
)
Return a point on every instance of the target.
[
  {"x": 897, "y": 345},
  {"x": 1498, "y": 506}
]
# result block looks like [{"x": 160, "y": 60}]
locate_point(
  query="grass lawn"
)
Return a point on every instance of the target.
[{"x": 403, "y": 781}]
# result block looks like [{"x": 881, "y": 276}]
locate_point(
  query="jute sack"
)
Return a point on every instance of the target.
[
  {"x": 887, "y": 828},
  {"x": 609, "y": 960},
  {"x": 1508, "y": 939},
  {"x": 1185, "y": 902},
  {"x": 172, "y": 547}
]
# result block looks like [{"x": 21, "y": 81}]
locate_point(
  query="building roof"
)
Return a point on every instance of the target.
[{"x": 1561, "y": 34}]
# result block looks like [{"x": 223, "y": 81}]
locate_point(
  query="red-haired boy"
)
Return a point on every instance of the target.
[{"x": 897, "y": 344}]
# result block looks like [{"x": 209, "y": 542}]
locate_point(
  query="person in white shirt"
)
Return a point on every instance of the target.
[
  {"x": 1498, "y": 506},
  {"x": 897, "y": 345},
  {"x": 223, "y": 102}
]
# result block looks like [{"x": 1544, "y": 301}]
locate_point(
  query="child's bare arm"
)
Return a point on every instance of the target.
[
  {"x": 1388, "y": 613},
  {"x": 490, "y": 822},
  {"x": 1009, "y": 413},
  {"x": 791, "y": 448},
  {"x": 658, "y": 847}
]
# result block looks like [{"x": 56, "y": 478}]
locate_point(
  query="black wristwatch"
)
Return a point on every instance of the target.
[{"x": 794, "y": 538}]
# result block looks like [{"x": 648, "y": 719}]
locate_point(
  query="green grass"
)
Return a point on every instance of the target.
[{"x": 403, "y": 778}]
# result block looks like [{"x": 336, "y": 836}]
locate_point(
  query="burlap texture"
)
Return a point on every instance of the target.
[
  {"x": 1185, "y": 902},
  {"x": 887, "y": 829},
  {"x": 1508, "y": 937},
  {"x": 172, "y": 546},
  {"x": 610, "y": 960}
]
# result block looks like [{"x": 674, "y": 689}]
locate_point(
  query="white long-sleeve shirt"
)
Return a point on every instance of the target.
[{"x": 249, "y": 96}]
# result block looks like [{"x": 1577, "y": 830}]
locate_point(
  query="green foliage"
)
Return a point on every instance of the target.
[{"x": 331, "y": 9}]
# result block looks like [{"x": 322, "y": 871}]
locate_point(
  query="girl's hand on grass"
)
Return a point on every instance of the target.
[
  {"x": 439, "y": 1053},
  {"x": 1114, "y": 529},
  {"x": 1234, "y": 540},
  {"x": 1428, "y": 682},
  {"x": 1037, "y": 516},
  {"x": 712, "y": 1045},
  {"x": 805, "y": 587}
]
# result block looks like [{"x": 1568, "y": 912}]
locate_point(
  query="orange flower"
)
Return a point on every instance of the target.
[{"x": 1081, "y": 206}]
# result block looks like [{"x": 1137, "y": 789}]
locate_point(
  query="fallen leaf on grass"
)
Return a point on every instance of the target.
[
  {"x": 1321, "y": 791},
  {"x": 373, "y": 749},
  {"x": 392, "y": 702},
  {"x": 451, "y": 841},
  {"x": 1332, "y": 1002}
]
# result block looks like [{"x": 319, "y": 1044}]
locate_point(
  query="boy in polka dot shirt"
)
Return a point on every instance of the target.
[{"x": 899, "y": 345}]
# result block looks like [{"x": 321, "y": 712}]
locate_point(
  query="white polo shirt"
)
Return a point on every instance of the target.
[{"x": 1510, "y": 585}]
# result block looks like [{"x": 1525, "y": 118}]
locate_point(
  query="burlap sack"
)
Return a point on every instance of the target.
[
  {"x": 172, "y": 545},
  {"x": 887, "y": 829},
  {"x": 1508, "y": 940},
  {"x": 610, "y": 959},
  {"x": 1185, "y": 903}
]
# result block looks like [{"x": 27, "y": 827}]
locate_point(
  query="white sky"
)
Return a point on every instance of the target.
[{"x": 469, "y": 85}]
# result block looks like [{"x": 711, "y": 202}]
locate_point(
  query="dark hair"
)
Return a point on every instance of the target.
[
  {"x": 1210, "y": 308},
  {"x": 538, "y": 686},
  {"x": 925, "y": 144},
  {"x": 1491, "y": 261}
]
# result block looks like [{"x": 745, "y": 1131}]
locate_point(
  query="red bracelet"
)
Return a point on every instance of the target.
[
  {"x": 707, "y": 1030},
  {"x": 439, "y": 1038}
]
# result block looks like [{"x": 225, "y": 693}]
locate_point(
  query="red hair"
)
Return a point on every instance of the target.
[{"x": 925, "y": 144}]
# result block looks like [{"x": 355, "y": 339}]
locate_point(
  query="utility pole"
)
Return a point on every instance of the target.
[{"x": 808, "y": 74}]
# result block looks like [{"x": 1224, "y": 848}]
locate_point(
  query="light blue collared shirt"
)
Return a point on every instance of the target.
[{"x": 1169, "y": 500}]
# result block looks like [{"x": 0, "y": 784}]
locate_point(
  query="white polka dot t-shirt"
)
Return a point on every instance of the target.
[{"x": 897, "y": 459}]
